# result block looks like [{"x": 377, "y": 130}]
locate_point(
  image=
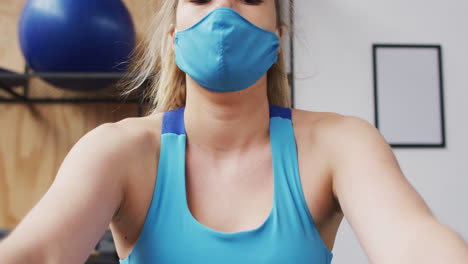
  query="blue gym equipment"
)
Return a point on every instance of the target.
[{"x": 77, "y": 36}]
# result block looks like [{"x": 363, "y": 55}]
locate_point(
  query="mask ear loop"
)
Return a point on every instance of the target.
[
  {"x": 278, "y": 35},
  {"x": 172, "y": 31}
]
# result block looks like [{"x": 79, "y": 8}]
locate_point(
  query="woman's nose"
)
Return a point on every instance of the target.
[{"x": 224, "y": 3}]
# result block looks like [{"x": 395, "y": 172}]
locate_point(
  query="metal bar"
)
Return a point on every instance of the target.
[
  {"x": 10, "y": 91},
  {"x": 4, "y": 233},
  {"x": 12, "y": 79},
  {"x": 22, "y": 79},
  {"x": 26, "y": 84},
  {"x": 70, "y": 75}
]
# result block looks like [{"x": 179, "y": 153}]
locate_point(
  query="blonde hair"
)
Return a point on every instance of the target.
[{"x": 154, "y": 61}]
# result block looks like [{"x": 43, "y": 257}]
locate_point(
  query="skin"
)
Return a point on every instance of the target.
[{"x": 345, "y": 165}]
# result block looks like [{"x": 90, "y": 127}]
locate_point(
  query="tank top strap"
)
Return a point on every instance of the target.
[
  {"x": 291, "y": 205},
  {"x": 173, "y": 122},
  {"x": 168, "y": 197}
]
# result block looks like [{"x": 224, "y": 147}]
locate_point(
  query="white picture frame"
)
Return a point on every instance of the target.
[{"x": 408, "y": 86}]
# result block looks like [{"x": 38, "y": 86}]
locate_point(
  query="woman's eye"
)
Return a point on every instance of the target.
[
  {"x": 199, "y": 2},
  {"x": 253, "y": 2},
  {"x": 249, "y": 2}
]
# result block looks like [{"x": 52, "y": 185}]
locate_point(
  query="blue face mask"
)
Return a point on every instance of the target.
[{"x": 224, "y": 52}]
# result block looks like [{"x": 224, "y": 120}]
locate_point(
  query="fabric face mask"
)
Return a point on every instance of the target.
[{"x": 224, "y": 52}]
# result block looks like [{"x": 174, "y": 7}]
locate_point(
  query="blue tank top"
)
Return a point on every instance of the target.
[{"x": 171, "y": 234}]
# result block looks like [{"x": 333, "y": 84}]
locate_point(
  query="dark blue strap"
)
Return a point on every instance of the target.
[
  {"x": 278, "y": 111},
  {"x": 173, "y": 122}
]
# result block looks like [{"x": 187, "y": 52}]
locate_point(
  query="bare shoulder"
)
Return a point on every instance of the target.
[
  {"x": 93, "y": 178},
  {"x": 346, "y": 142},
  {"x": 338, "y": 142},
  {"x": 143, "y": 135},
  {"x": 109, "y": 144},
  {"x": 341, "y": 140},
  {"x": 140, "y": 138},
  {"x": 130, "y": 137},
  {"x": 335, "y": 130},
  {"x": 312, "y": 120},
  {"x": 312, "y": 128},
  {"x": 139, "y": 132}
]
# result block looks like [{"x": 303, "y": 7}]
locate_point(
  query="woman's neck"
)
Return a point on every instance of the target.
[{"x": 226, "y": 122}]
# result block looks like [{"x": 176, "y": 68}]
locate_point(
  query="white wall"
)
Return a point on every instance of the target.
[{"x": 333, "y": 67}]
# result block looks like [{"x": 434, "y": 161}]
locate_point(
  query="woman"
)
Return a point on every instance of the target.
[{"x": 235, "y": 176}]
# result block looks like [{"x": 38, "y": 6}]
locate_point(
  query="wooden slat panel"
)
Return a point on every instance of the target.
[
  {"x": 10, "y": 53},
  {"x": 34, "y": 144},
  {"x": 34, "y": 139}
]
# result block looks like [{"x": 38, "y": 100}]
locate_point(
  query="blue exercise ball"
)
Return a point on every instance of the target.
[{"x": 77, "y": 36}]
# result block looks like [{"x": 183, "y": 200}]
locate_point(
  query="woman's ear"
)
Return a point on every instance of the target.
[
  {"x": 280, "y": 35},
  {"x": 171, "y": 31},
  {"x": 280, "y": 32}
]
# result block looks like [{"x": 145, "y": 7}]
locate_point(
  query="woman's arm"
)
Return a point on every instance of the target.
[
  {"x": 65, "y": 225},
  {"x": 390, "y": 219}
]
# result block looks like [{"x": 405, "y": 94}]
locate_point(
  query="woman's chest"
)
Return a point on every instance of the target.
[
  {"x": 240, "y": 197},
  {"x": 230, "y": 198}
]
